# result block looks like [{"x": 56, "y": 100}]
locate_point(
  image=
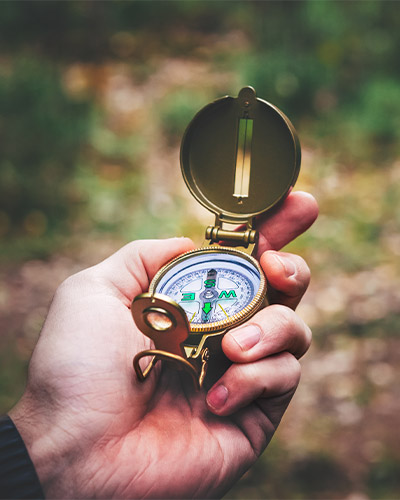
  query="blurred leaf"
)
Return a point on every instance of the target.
[
  {"x": 177, "y": 111},
  {"x": 42, "y": 132}
]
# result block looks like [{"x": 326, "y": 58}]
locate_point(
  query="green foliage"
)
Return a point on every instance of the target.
[
  {"x": 316, "y": 63},
  {"x": 290, "y": 81},
  {"x": 178, "y": 110},
  {"x": 309, "y": 476},
  {"x": 379, "y": 112},
  {"x": 318, "y": 476},
  {"x": 13, "y": 375},
  {"x": 88, "y": 29},
  {"x": 42, "y": 133},
  {"x": 384, "y": 479}
]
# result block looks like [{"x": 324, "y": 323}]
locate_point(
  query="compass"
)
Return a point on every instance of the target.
[
  {"x": 240, "y": 157},
  {"x": 217, "y": 287}
]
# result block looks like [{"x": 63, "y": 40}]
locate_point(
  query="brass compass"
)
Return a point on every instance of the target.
[{"x": 239, "y": 157}]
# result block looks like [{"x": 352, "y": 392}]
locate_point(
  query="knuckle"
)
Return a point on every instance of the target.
[
  {"x": 308, "y": 335},
  {"x": 304, "y": 339},
  {"x": 301, "y": 276},
  {"x": 282, "y": 326},
  {"x": 292, "y": 367},
  {"x": 304, "y": 270},
  {"x": 286, "y": 331},
  {"x": 285, "y": 317},
  {"x": 66, "y": 286},
  {"x": 73, "y": 283},
  {"x": 244, "y": 373}
]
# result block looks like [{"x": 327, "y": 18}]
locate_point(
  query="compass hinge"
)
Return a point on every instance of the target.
[
  {"x": 245, "y": 239},
  {"x": 216, "y": 234}
]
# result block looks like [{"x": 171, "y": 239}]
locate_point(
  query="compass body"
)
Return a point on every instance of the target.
[
  {"x": 217, "y": 287},
  {"x": 240, "y": 157}
]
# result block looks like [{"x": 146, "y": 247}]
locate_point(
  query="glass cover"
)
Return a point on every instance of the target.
[{"x": 211, "y": 288}]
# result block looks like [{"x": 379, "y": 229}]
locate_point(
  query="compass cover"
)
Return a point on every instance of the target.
[{"x": 240, "y": 156}]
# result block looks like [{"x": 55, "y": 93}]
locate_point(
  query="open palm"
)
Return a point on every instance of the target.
[{"x": 96, "y": 431}]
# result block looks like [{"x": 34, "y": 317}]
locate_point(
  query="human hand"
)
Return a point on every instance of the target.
[{"x": 93, "y": 430}]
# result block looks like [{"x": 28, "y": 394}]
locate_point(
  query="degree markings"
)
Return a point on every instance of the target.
[{"x": 236, "y": 296}]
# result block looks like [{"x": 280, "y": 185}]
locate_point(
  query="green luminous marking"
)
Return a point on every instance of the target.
[
  {"x": 207, "y": 307},
  {"x": 243, "y": 158},
  {"x": 209, "y": 283},
  {"x": 227, "y": 295},
  {"x": 188, "y": 296}
]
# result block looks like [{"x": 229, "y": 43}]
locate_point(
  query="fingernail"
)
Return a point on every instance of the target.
[
  {"x": 217, "y": 397},
  {"x": 288, "y": 266},
  {"x": 246, "y": 336}
]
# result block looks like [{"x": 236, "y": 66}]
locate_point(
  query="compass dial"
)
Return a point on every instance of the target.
[{"x": 214, "y": 288}]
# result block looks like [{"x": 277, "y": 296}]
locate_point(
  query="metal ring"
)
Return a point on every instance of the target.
[{"x": 163, "y": 355}]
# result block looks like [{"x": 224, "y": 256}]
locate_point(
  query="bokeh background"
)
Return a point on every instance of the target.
[{"x": 94, "y": 98}]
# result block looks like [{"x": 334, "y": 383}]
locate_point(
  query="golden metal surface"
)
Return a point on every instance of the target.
[
  {"x": 179, "y": 362},
  {"x": 205, "y": 356},
  {"x": 219, "y": 233},
  {"x": 159, "y": 319},
  {"x": 214, "y": 150},
  {"x": 240, "y": 157},
  {"x": 216, "y": 234},
  {"x": 168, "y": 339}
]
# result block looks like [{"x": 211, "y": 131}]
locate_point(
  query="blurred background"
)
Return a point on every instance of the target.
[{"x": 94, "y": 98}]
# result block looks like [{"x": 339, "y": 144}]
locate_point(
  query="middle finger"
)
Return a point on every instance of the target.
[{"x": 272, "y": 330}]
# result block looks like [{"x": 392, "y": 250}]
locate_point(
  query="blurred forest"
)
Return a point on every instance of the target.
[{"x": 94, "y": 98}]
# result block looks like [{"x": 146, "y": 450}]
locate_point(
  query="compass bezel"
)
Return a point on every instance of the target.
[{"x": 236, "y": 319}]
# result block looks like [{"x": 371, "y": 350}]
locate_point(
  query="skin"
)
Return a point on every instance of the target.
[{"x": 93, "y": 430}]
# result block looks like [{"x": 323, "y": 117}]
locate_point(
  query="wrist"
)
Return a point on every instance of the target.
[
  {"x": 48, "y": 453},
  {"x": 18, "y": 477}
]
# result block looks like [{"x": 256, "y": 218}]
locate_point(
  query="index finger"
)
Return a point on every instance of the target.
[{"x": 294, "y": 216}]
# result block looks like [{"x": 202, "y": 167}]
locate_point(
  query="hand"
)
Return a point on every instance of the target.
[{"x": 93, "y": 430}]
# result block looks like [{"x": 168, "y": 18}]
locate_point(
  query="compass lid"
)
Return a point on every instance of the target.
[{"x": 240, "y": 156}]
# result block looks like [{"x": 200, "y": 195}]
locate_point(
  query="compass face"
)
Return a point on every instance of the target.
[{"x": 211, "y": 287}]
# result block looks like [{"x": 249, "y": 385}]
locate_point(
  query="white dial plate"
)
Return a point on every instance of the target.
[{"x": 211, "y": 287}]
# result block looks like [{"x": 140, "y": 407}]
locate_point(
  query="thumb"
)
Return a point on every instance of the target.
[{"x": 130, "y": 269}]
